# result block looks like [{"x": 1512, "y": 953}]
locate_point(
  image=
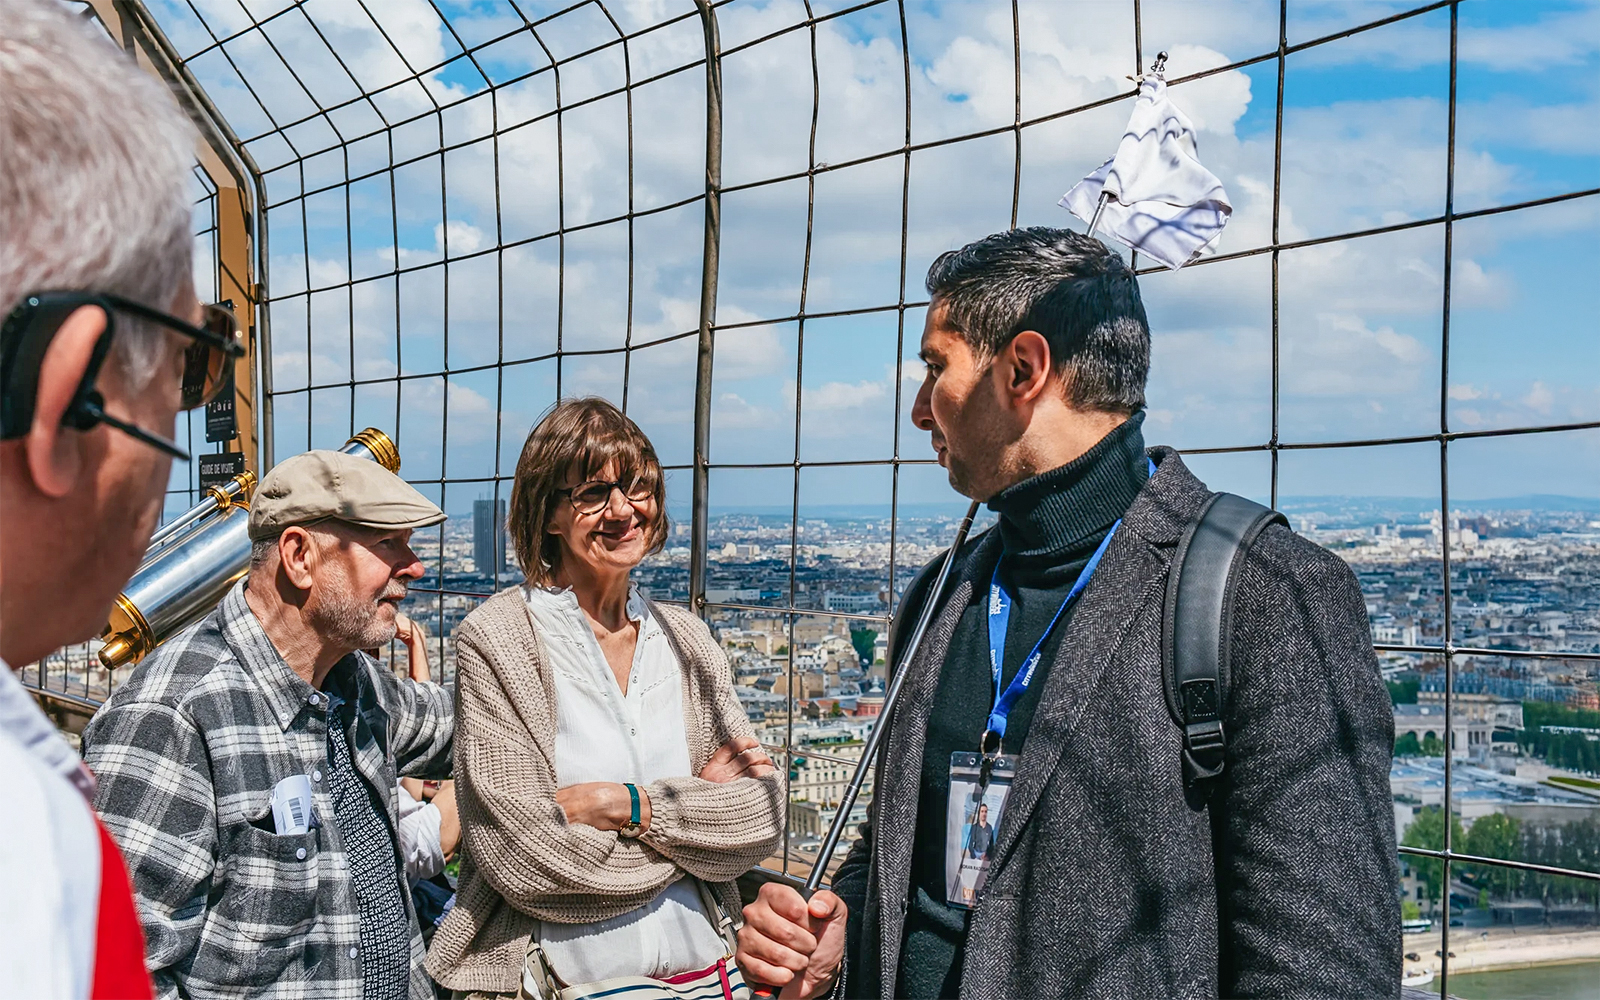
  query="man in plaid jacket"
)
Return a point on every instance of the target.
[{"x": 248, "y": 767}]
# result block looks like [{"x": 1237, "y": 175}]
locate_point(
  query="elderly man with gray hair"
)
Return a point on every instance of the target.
[
  {"x": 99, "y": 348},
  {"x": 248, "y": 766}
]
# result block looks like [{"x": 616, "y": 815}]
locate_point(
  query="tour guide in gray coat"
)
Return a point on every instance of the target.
[{"x": 1110, "y": 876}]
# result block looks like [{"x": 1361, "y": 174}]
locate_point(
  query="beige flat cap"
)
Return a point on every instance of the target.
[{"x": 321, "y": 484}]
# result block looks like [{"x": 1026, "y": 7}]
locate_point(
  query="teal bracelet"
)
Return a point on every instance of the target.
[{"x": 631, "y": 828}]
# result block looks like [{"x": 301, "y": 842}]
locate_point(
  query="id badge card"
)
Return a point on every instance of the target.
[{"x": 972, "y": 823}]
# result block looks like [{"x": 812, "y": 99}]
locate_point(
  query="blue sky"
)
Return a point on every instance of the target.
[{"x": 1365, "y": 127}]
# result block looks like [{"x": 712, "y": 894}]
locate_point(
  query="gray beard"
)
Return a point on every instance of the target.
[{"x": 351, "y": 621}]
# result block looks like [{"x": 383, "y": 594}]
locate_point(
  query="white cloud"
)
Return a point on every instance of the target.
[
  {"x": 1359, "y": 320},
  {"x": 1558, "y": 39},
  {"x": 833, "y": 409},
  {"x": 1473, "y": 287},
  {"x": 748, "y": 352},
  {"x": 1347, "y": 357},
  {"x": 734, "y": 412},
  {"x": 463, "y": 238},
  {"x": 1539, "y": 398}
]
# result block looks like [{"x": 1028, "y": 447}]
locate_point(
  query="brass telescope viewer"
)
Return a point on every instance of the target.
[{"x": 195, "y": 558}]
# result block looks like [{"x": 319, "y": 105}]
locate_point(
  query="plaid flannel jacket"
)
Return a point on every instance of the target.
[{"x": 187, "y": 753}]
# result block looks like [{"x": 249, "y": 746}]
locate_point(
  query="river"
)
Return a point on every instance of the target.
[{"x": 1579, "y": 981}]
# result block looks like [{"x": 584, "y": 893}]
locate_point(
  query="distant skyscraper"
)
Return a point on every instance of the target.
[{"x": 488, "y": 536}]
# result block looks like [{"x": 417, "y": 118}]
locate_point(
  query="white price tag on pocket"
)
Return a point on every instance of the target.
[{"x": 291, "y": 805}]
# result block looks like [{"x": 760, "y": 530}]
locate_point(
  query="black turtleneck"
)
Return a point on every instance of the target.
[{"x": 1050, "y": 524}]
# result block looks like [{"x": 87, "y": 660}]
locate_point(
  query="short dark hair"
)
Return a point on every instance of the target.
[
  {"x": 1071, "y": 289},
  {"x": 577, "y": 436}
]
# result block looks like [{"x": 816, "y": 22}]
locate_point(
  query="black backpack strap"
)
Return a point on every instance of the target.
[{"x": 1197, "y": 624}]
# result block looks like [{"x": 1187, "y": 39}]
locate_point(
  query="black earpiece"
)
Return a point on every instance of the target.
[{"x": 25, "y": 337}]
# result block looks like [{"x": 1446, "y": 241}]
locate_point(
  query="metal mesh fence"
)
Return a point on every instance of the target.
[
  {"x": 74, "y": 671},
  {"x": 718, "y": 217},
  {"x": 183, "y": 488}
]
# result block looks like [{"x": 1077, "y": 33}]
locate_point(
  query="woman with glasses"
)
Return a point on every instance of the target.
[{"x": 609, "y": 785}]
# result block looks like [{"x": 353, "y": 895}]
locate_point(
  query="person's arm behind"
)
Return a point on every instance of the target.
[
  {"x": 422, "y": 723},
  {"x": 444, "y": 800},
  {"x": 415, "y": 636},
  {"x": 419, "y": 833},
  {"x": 1303, "y": 822},
  {"x": 155, "y": 796}
]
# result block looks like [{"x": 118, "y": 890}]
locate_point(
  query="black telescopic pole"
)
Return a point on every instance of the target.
[{"x": 869, "y": 753}]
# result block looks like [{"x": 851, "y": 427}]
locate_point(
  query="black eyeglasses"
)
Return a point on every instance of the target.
[
  {"x": 28, "y": 329},
  {"x": 593, "y": 496}
]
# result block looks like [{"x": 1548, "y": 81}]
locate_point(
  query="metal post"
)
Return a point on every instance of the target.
[
  {"x": 1445, "y": 571},
  {"x": 699, "y": 520},
  {"x": 1099, "y": 207},
  {"x": 219, "y": 135}
]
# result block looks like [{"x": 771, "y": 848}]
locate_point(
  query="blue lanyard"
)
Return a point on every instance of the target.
[{"x": 1000, "y": 618}]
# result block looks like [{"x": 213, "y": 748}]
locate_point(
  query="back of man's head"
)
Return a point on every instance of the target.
[
  {"x": 1071, "y": 289},
  {"x": 94, "y": 162},
  {"x": 94, "y": 172}
]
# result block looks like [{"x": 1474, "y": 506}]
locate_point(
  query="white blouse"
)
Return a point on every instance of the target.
[{"x": 604, "y": 735}]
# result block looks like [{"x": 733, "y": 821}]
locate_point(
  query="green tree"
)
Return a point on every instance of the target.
[
  {"x": 863, "y": 639},
  {"x": 1566, "y": 845},
  {"x": 1403, "y": 692},
  {"x": 1432, "y": 746},
  {"x": 1495, "y": 836},
  {"x": 1564, "y": 751},
  {"x": 1407, "y": 746},
  {"x": 1544, "y": 713},
  {"x": 1427, "y": 831},
  {"x": 1409, "y": 910},
  {"x": 1574, "y": 751}
]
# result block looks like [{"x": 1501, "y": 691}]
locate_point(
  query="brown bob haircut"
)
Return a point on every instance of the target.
[{"x": 578, "y": 438}]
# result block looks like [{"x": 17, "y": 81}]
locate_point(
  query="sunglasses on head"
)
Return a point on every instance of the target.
[{"x": 26, "y": 334}]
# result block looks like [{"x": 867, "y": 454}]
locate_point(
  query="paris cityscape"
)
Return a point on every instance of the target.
[
  {"x": 745, "y": 224},
  {"x": 1525, "y": 733},
  {"x": 1524, "y": 578}
]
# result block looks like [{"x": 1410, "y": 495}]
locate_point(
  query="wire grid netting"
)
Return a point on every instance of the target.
[
  {"x": 476, "y": 212},
  {"x": 75, "y": 670}
]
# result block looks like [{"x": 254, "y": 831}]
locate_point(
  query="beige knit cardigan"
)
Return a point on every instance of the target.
[{"x": 521, "y": 860}]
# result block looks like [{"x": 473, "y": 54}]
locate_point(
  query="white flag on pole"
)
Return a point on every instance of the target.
[{"x": 1158, "y": 199}]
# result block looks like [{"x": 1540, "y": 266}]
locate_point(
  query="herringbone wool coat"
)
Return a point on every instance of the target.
[{"x": 1111, "y": 879}]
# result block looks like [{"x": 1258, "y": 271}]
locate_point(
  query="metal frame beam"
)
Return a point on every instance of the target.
[{"x": 241, "y": 223}]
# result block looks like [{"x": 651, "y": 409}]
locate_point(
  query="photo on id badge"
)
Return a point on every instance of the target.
[{"x": 972, "y": 823}]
